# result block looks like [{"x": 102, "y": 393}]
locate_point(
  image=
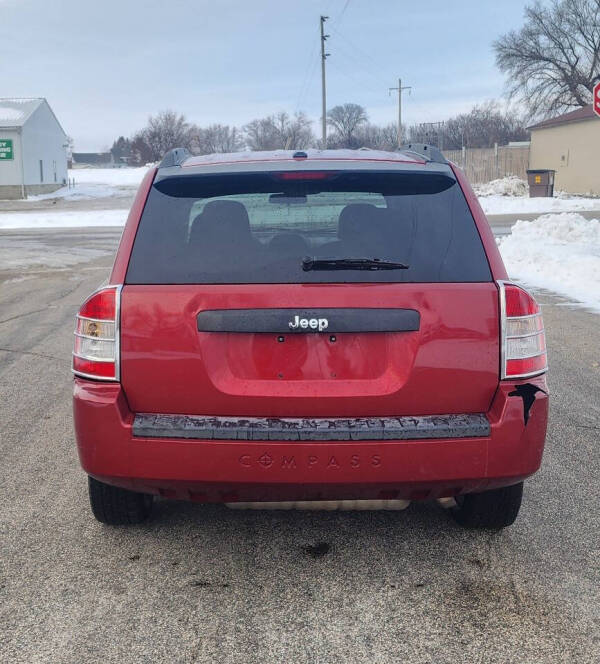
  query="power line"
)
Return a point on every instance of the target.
[
  {"x": 355, "y": 79},
  {"x": 357, "y": 49},
  {"x": 357, "y": 63},
  {"x": 312, "y": 63},
  {"x": 338, "y": 20}
]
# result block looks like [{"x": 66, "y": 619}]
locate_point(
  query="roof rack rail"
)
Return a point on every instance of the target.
[
  {"x": 430, "y": 152},
  {"x": 175, "y": 157}
]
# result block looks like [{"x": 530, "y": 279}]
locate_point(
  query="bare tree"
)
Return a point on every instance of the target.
[
  {"x": 215, "y": 138},
  {"x": 165, "y": 131},
  {"x": 295, "y": 132},
  {"x": 346, "y": 120},
  {"x": 140, "y": 151},
  {"x": 481, "y": 127},
  {"x": 431, "y": 133},
  {"x": 378, "y": 137},
  {"x": 279, "y": 131},
  {"x": 261, "y": 134},
  {"x": 553, "y": 61}
]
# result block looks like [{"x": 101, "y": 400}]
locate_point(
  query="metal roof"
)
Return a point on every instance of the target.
[{"x": 15, "y": 112}]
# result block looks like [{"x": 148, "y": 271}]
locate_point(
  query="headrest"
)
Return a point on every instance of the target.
[
  {"x": 289, "y": 244},
  {"x": 221, "y": 220},
  {"x": 355, "y": 219},
  {"x": 227, "y": 214}
]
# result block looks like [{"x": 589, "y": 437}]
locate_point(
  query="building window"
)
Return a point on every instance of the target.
[{"x": 41, "y": 171}]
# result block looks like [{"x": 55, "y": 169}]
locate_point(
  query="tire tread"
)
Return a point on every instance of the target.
[
  {"x": 492, "y": 510},
  {"x": 115, "y": 506}
]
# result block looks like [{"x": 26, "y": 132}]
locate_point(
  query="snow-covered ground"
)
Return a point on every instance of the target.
[
  {"x": 504, "y": 205},
  {"x": 510, "y": 195},
  {"x": 558, "y": 252},
  {"x": 98, "y": 183},
  {"x": 62, "y": 219},
  {"x": 117, "y": 177}
]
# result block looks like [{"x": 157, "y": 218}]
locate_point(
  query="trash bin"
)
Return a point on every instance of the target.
[{"x": 541, "y": 182}]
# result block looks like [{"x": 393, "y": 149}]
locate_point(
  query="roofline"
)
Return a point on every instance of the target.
[
  {"x": 42, "y": 100},
  {"x": 562, "y": 120},
  {"x": 53, "y": 115},
  {"x": 551, "y": 125}
]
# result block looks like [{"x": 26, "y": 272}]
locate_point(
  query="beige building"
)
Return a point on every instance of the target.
[{"x": 570, "y": 145}]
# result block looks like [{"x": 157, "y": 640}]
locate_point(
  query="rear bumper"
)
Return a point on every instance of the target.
[{"x": 253, "y": 470}]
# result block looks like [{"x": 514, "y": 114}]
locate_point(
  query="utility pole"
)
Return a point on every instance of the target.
[
  {"x": 323, "y": 90},
  {"x": 399, "y": 88}
]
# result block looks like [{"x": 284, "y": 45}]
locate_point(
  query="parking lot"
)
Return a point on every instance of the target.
[{"x": 207, "y": 584}]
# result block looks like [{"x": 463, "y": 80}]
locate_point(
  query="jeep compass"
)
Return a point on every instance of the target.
[{"x": 309, "y": 329}]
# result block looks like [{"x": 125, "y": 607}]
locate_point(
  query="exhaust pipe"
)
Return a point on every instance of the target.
[
  {"x": 447, "y": 503},
  {"x": 325, "y": 505}
]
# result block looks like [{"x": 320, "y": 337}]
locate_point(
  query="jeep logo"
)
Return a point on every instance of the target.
[{"x": 318, "y": 324}]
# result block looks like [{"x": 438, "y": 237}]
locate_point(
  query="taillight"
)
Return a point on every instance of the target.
[
  {"x": 96, "y": 349},
  {"x": 523, "y": 341}
]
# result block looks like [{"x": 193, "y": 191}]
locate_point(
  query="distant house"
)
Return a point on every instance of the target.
[
  {"x": 570, "y": 145},
  {"x": 33, "y": 148},
  {"x": 97, "y": 159}
]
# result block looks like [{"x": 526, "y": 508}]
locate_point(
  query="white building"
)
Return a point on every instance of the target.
[{"x": 33, "y": 148}]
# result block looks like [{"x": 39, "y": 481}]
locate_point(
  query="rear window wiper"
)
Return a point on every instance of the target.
[{"x": 314, "y": 263}]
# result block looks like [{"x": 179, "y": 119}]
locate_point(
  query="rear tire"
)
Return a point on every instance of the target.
[
  {"x": 116, "y": 506},
  {"x": 493, "y": 509}
]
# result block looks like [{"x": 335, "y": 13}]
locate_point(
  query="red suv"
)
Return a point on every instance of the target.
[{"x": 301, "y": 329}]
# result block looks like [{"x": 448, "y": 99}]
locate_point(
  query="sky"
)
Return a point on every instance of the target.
[{"x": 106, "y": 65}]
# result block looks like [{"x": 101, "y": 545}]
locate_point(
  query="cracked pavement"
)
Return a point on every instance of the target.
[{"x": 207, "y": 584}]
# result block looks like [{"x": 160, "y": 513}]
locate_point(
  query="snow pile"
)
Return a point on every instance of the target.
[
  {"x": 62, "y": 219},
  {"x": 98, "y": 183},
  {"x": 511, "y": 185},
  {"x": 559, "y": 252},
  {"x": 115, "y": 177}
]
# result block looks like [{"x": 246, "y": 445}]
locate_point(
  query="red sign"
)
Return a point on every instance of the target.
[{"x": 596, "y": 103}]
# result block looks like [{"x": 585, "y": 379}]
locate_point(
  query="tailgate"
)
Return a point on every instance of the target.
[{"x": 449, "y": 364}]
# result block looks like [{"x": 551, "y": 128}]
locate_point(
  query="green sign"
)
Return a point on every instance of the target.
[{"x": 6, "y": 149}]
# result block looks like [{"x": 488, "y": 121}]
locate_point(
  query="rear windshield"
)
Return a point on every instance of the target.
[{"x": 269, "y": 227}]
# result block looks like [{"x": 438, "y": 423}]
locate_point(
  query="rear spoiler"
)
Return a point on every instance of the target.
[
  {"x": 430, "y": 152},
  {"x": 177, "y": 156}
]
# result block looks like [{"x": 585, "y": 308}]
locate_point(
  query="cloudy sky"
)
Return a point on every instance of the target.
[{"x": 105, "y": 65}]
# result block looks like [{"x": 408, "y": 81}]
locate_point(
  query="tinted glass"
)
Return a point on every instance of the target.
[{"x": 257, "y": 228}]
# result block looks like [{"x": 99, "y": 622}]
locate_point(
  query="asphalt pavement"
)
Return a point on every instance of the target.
[{"x": 208, "y": 584}]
